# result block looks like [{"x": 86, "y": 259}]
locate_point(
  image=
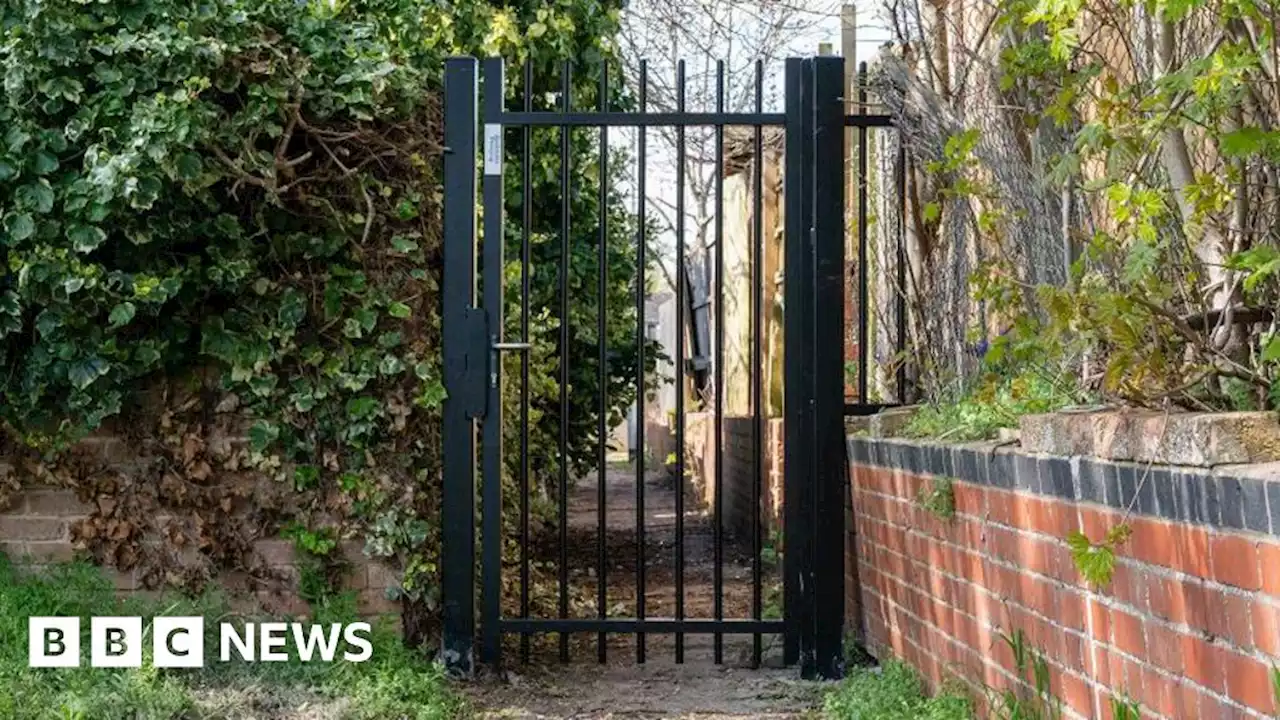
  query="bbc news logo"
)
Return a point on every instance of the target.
[{"x": 178, "y": 642}]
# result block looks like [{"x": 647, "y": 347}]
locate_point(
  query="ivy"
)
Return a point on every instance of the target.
[{"x": 247, "y": 193}]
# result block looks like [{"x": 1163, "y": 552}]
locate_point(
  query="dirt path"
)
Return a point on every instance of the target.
[
  {"x": 660, "y": 688},
  {"x": 697, "y": 689}
]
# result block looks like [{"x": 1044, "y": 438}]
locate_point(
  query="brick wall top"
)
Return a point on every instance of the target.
[
  {"x": 1182, "y": 438},
  {"x": 1235, "y": 497}
]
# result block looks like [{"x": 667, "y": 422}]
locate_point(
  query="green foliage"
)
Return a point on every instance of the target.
[
  {"x": 1168, "y": 159},
  {"x": 395, "y": 682},
  {"x": 1124, "y": 708},
  {"x": 892, "y": 692},
  {"x": 1097, "y": 561},
  {"x": 995, "y": 401},
  {"x": 252, "y": 187},
  {"x": 1039, "y": 702},
  {"x": 939, "y": 497},
  {"x": 1275, "y": 683}
]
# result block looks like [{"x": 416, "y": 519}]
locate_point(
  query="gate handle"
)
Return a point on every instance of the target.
[{"x": 508, "y": 346}]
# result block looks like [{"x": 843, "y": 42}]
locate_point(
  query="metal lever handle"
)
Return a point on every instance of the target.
[{"x": 508, "y": 346}]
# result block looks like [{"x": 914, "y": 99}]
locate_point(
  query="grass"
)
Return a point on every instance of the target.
[
  {"x": 892, "y": 693},
  {"x": 397, "y": 683}
]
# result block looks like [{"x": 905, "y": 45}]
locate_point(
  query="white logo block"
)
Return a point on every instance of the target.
[
  {"x": 115, "y": 642},
  {"x": 179, "y": 642},
  {"x": 53, "y": 642}
]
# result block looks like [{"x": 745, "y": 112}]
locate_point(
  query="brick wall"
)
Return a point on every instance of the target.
[
  {"x": 36, "y": 529},
  {"x": 739, "y": 473},
  {"x": 739, "y": 470},
  {"x": 1189, "y": 626}
]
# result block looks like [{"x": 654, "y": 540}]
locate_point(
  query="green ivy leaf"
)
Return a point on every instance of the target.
[
  {"x": 398, "y": 310},
  {"x": 37, "y": 196},
  {"x": 403, "y": 244},
  {"x": 306, "y": 477},
  {"x": 20, "y": 226},
  {"x": 189, "y": 166},
  {"x": 86, "y": 238},
  {"x": 10, "y": 314},
  {"x": 45, "y": 162},
  {"x": 9, "y": 304},
  {"x": 293, "y": 308},
  {"x": 362, "y": 408},
  {"x": 121, "y": 314},
  {"x": 83, "y": 373},
  {"x": 390, "y": 365},
  {"x": 262, "y": 434}
]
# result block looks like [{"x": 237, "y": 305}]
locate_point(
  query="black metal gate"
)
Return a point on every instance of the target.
[{"x": 814, "y": 123}]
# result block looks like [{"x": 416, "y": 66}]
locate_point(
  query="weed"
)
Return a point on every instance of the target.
[
  {"x": 997, "y": 401},
  {"x": 1039, "y": 704},
  {"x": 893, "y": 692},
  {"x": 772, "y": 609},
  {"x": 1125, "y": 709},
  {"x": 855, "y": 655},
  {"x": 939, "y": 497}
]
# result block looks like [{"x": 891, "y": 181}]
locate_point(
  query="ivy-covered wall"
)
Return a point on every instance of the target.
[{"x": 219, "y": 234}]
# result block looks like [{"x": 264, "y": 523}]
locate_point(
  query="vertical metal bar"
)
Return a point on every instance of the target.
[
  {"x": 901, "y": 296},
  {"x": 827, "y": 438},
  {"x": 494, "y": 269},
  {"x": 458, "y": 432},
  {"x": 641, "y": 260},
  {"x": 526, "y": 222},
  {"x": 757, "y": 362},
  {"x": 718, "y": 510},
  {"x": 681, "y": 288},
  {"x": 863, "y": 269},
  {"x": 602, "y": 556},
  {"x": 566, "y": 80},
  {"x": 795, "y": 458}
]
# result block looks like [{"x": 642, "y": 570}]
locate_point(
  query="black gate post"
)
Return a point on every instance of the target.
[
  {"x": 813, "y": 323},
  {"x": 827, "y": 352},
  {"x": 462, "y": 365}
]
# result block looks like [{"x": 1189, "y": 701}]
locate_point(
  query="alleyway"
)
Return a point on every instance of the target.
[{"x": 660, "y": 688}]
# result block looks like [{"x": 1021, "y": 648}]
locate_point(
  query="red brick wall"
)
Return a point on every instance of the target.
[
  {"x": 739, "y": 474},
  {"x": 1189, "y": 626},
  {"x": 739, "y": 468}
]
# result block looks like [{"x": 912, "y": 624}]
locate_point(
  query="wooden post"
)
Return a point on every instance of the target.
[{"x": 849, "y": 49}]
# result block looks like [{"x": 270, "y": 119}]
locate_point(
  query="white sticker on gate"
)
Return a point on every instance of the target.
[{"x": 492, "y": 149}]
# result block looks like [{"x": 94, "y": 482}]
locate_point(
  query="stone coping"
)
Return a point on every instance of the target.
[
  {"x": 1236, "y": 497},
  {"x": 1130, "y": 434},
  {"x": 1172, "y": 438}
]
